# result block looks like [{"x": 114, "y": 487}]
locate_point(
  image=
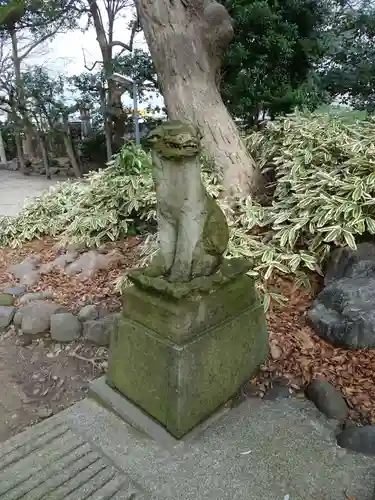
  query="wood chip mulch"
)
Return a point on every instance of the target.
[{"x": 297, "y": 354}]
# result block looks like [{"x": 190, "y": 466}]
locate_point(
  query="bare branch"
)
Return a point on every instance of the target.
[
  {"x": 38, "y": 42},
  {"x": 120, "y": 44},
  {"x": 85, "y": 62}
]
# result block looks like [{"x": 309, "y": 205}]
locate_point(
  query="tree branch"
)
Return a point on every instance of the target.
[
  {"x": 120, "y": 44},
  {"x": 85, "y": 62},
  {"x": 38, "y": 42}
]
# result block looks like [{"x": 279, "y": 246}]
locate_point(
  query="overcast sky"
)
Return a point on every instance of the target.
[{"x": 67, "y": 52}]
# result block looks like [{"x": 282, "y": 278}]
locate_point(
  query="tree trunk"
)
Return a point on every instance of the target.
[
  {"x": 113, "y": 112},
  {"x": 70, "y": 149},
  {"x": 43, "y": 149},
  {"x": 107, "y": 124},
  {"x": 17, "y": 139},
  {"x": 21, "y": 158},
  {"x": 186, "y": 39},
  {"x": 28, "y": 146}
]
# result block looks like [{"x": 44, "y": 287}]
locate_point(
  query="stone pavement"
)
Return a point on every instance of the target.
[
  {"x": 15, "y": 188},
  {"x": 274, "y": 450}
]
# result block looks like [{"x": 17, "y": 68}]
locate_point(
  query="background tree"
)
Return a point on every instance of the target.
[
  {"x": 103, "y": 16},
  {"x": 42, "y": 20},
  {"x": 348, "y": 71},
  {"x": 46, "y": 104},
  {"x": 269, "y": 66}
]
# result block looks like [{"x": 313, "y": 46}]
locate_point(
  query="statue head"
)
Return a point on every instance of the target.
[{"x": 175, "y": 139}]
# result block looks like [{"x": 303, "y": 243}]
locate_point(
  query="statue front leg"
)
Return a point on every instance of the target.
[
  {"x": 187, "y": 241},
  {"x": 167, "y": 241}
]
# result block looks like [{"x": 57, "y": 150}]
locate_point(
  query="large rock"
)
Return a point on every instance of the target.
[
  {"x": 98, "y": 331},
  {"x": 27, "y": 272},
  {"x": 89, "y": 263},
  {"x": 32, "y": 296},
  {"x": 16, "y": 290},
  {"x": 343, "y": 312},
  {"x": 36, "y": 316},
  {"x": 360, "y": 439},
  {"x": 6, "y": 316},
  {"x": 65, "y": 327},
  {"x": 88, "y": 313},
  {"x": 327, "y": 399}
]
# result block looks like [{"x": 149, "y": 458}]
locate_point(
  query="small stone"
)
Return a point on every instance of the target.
[
  {"x": 88, "y": 313},
  {"x": 360, "y": 439},
  {"x": 278, "y": 391},
  {"x": 327, "y": 399},
  {"x": 17, "y": 319},
  {"x": 15, "y": 291},
  {"x": 44, "y": 413},
  {"x": 29, "y": 297},
  {"x": 36, "y": 316},
  {"x": 6, "y": 316},
  {"x": 98, "y": 331},
  {"x": 65, "y": 327},
  {"x": 6, "y": 299},
  {"x": 26, "y": 340}
]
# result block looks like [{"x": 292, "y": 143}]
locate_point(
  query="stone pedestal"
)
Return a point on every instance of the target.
[{"x": 180, "y": 359}]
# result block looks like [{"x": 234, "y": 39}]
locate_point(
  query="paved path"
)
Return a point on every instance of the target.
[
  {"x": 259, "y": 451},
  {"x": 15, "y": 188}
]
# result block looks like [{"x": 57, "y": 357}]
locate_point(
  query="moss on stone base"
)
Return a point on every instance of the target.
[{"x": 181, "y": 383}]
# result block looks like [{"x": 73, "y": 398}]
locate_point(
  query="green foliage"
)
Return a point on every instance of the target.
[
  {"x": 324, "y": 197},
  {"x": 93, "y": 149},
  {"x": 324, "y": 192},
  {"x": 349, "y": 70},
  {"x": 37, "y": 15},
  {"x": 269, "y": 65},
  {"x": 105, "y": 206}
]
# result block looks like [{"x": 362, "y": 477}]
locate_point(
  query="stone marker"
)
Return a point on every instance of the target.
[{"x": 193, "y": 329}]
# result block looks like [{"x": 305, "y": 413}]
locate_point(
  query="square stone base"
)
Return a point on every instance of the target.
[{"x": 179, "y": 360}]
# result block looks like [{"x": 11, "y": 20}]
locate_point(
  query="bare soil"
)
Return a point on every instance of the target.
[{"x": 41, "y": 379}]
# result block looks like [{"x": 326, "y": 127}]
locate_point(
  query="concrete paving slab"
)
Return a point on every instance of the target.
[
  {"x": 49, "y": 461},
  {"x": 257, "y": 451},
  {"x": 16, "y": 188}
]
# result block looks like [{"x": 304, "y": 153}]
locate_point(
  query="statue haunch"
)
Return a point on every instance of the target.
[{"x": 193, "y": 230}]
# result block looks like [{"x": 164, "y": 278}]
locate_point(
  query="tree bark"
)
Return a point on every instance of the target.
[
  {"x": 187, "y": 39},
  {"x": 114, "y": 113},
  {"x": 44, "y": 152},
  {"x": 70, "y": 149},
  {"x": 21, "y": 95}
]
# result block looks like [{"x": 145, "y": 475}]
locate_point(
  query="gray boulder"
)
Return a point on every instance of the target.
[
  {"x": 98, "y": 331},
  {"x": 327, "y": 399},
  {"x": 88, "y": 313},
  {"x": 6, "y": 316},
  {"x": 15, "y": 291},
  {"x": 29, "y": 297},
  {"x": 17, "y": 318},
  {"x": 27, "y": 271},
  {"x": 65, "y": 327},
  {"x": 36, "y": 316},
  {"x": 360, "y": 439},
  {"x": 343, "y": 311}
]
